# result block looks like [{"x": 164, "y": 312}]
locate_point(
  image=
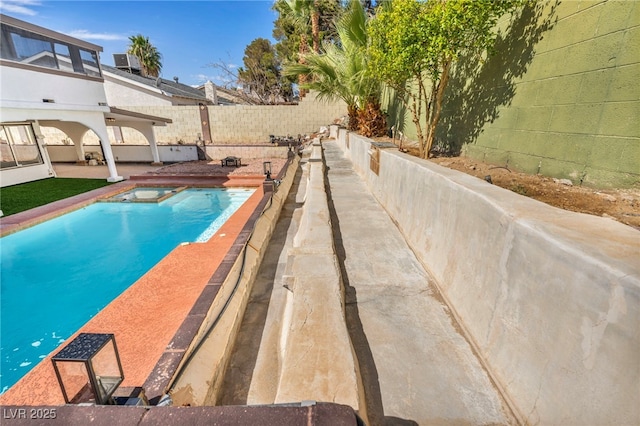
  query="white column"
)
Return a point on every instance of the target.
[
  {"x": 77, "y": 143},
  {"x": 75, "y": 132},
  {"x": 108, "y": 155},
  {"x": 151, "y": 137}
]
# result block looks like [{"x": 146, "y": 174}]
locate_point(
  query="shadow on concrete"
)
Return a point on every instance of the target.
[
  {"x": 239, "y": 374},
  {"x": 396, "y": 421},
  {"x": 366, "y": 363},
  {"x": 479, "y": 87}
]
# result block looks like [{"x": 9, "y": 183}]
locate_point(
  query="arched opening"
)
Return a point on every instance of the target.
[
  {"x": 68, "y": 142},
  {"x": 132, "y": 136}
]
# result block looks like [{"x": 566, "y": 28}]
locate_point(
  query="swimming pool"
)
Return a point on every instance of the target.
[{"x": 56, "y": 275}]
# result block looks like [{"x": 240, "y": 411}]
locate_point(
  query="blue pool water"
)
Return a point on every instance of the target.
[{"x": 56, "y": 275}]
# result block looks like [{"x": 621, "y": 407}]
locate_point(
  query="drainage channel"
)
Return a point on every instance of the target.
[{"x": 252, "y": 375}]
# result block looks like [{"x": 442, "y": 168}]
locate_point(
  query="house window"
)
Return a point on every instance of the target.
[
  {"x": 64, "y": 57},
  {"x": 23, "y": 46},
  {"x": 90, "y": 62},
  {"x": 18, "y": 146}
]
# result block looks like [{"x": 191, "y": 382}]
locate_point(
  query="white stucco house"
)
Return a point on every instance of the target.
[
  {"x": 125, "y": 88},
  {"x": 49, "y": 79}
]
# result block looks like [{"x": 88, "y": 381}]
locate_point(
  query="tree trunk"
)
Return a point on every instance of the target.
[
  {"x": 315, "y": 27},
  {"x": 371, "y": 120},
  {"x": 302, "y": 51},
  {"x": 415, "y": 118},
  {"x": 352, "y": 110},
  {"x": 439, "y": 95}
]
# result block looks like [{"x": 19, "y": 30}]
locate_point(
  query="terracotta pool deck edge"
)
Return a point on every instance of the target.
[
  {"x": 160, "y": 379},
  {"x": 156, "y": 384}
]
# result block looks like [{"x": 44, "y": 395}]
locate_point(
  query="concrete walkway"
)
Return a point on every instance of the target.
[{"x": 416, "y": 367}]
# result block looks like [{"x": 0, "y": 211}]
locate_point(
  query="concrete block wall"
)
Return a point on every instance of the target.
[
  {"x": 230, "y": 125},
  {"x": 549, "y": 298},
  {"x": 247, "y": 152},
  {"x": 185, "y": 125},
  {"x": 239, "y": 124},
  {"x": 561, "y": 96},
  {"x": 254, "y": 123}
]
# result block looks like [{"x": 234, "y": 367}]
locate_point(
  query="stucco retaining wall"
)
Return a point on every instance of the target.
[{"x": 549, "y": 298}]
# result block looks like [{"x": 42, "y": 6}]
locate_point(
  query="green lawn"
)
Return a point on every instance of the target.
[{"x": 18, "y": 198}]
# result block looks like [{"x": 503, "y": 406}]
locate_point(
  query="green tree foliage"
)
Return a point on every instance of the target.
[
  {"x": 341, "y": 72},
  {"x": 261, "y": 72},
  {"x": 302, "y": 26},
  {"x": 149, "y": 57},
  {"x": 415, "y": 43}
]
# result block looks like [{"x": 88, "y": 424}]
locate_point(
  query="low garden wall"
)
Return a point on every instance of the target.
[
  {"x": 126, "y": 153},
  {"x": 247, "y": 151},
  {"x": 550, "y": 299}
]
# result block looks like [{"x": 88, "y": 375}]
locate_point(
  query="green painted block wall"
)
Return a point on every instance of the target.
[{"x": 560, "y": 97}]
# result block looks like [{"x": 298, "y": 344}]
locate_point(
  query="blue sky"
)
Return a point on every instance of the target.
[{"x": 189, "y": 34}]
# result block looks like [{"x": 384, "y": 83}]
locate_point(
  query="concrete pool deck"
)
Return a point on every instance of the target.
[{"x": 146, "y": 316}]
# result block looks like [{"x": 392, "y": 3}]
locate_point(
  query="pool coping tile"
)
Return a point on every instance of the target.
[{"x": 206, "y": 298}]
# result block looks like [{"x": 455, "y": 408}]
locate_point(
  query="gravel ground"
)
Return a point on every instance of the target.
[{"x": 213, "y": 168}]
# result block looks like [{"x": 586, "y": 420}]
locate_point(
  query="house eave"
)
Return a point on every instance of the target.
[{"x": 119, "y": 114}]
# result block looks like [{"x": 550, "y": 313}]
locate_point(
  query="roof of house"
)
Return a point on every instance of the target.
[
  {"x": 227, "y": 96},
  {"x": 167, "y": 86}
]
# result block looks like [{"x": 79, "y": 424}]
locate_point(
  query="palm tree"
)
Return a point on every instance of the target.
[
  {"x": 300, "y": 14},
  {"x": 149, "y": 57},
  {"x": 342, "y": 73},
  {"x": 307, "y": 12}
]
